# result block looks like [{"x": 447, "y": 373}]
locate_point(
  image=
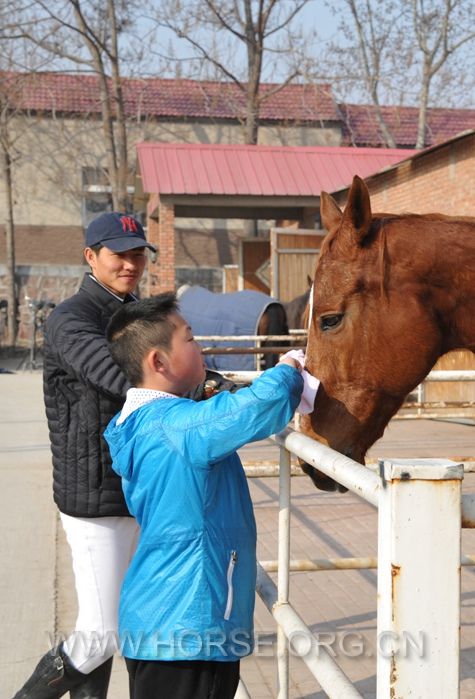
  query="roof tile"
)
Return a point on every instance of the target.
[
  {"x": 169, "y": 98},
  {"x": 188, "y": 99},
  {"x": 360, "y": 127}
]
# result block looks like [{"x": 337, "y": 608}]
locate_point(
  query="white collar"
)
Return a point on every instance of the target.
[
  {"x": 116, "y": 296},
  {"x": 136, "y": 397}
]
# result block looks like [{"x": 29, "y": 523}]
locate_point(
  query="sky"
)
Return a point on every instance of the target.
[{"x": 317, "y": 15}]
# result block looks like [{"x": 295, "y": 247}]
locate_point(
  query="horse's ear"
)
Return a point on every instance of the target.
[
  {"x": 358, "y": 209},
  {"x": 330, "y": 213}
]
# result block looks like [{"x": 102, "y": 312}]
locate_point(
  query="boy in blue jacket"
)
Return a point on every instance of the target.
[{"x": 187, "y": 602}]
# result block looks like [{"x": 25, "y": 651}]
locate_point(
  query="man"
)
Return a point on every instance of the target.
[{"x": 83, "y": 389}]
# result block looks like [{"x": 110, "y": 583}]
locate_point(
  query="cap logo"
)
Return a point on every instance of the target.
[{"x": 129, "y": 224}]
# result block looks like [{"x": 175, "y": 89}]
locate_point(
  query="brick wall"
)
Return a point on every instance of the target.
[
  {"x": 162, "y": 235},
  {"x": 45, "y": 245},
  {"x": 440, "y": 181}
]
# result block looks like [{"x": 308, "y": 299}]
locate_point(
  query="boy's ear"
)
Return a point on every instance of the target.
[{"x": 155, "y": 361}]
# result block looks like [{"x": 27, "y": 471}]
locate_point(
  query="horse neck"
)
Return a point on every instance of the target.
[{"x": 442, "y": 257}]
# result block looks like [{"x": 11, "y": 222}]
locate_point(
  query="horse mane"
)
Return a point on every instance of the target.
[
  {"x": 384, "y": 263},
  {"x": 379, "y": 224}
]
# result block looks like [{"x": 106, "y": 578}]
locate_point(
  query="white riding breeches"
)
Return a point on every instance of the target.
[{"x": 101, "y": 550}]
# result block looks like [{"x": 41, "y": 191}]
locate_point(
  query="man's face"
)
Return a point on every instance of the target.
[
  {"x": 119, "y": 271},
  {"x": 185, "y": 361}
]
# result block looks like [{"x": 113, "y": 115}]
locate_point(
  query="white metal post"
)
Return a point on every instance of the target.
[
  {"x": 283, "y": 569},
  {"x": 419, "y": 534}
]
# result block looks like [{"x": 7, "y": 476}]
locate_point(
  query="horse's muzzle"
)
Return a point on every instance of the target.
[{"x": 320, "y": 480}]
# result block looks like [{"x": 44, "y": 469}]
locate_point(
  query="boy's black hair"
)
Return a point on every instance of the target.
[{"x": 136, "y": 328}]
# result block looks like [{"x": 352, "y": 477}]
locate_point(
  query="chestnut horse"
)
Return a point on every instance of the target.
[{"x": 391, "y": 294}]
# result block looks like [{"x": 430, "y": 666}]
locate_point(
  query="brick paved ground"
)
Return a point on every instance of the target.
[
  {"x": 338, "y": 606},
  {"x": 36, "y": 595}
]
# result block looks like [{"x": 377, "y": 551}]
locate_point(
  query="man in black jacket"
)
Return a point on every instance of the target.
[{"x": 83, "y": 389}]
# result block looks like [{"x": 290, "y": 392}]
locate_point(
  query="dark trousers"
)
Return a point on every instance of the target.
[{"x": 182, "y": 679}]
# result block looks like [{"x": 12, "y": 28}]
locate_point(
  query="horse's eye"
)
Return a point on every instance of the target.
[{"x": 330, "y": 322}]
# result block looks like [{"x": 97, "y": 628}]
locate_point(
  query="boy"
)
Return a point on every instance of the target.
[{"x": 187, "y": 601}]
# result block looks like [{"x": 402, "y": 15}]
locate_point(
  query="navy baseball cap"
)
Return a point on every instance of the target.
[{"x": 118, "y": 232}]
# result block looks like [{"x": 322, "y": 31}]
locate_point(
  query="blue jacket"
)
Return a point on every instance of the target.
[{"x": 189, "y": 590}]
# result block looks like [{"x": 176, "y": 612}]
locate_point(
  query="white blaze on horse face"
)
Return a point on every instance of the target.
[{"x": 310, "y": 313}]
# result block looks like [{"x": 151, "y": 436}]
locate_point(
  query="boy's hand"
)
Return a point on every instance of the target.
[
  {"x": 295, "y": 358},
  {"x": 310, "y": 383},
  {"x": 291, "y": 362}
]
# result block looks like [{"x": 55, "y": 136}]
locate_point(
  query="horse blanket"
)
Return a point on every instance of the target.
[{"x": 237, "y": 313}]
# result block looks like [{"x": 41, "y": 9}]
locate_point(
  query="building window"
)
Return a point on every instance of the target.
[
  {"x": 97, "y": 194},
  {"x": 209, "y": 277}
]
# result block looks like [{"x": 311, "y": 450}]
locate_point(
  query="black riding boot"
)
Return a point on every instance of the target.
[
  {"x": 52, "y": 677},
  {"x": 95, "y": 684}
]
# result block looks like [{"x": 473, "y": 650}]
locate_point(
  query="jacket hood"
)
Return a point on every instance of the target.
[{"x": 121, "y": 439}]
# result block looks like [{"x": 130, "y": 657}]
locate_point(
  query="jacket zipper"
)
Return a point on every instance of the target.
[{"x": 229, "y": 602}]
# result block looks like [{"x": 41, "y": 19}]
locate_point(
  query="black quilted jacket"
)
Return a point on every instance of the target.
[{"x": 83, "y": 390}]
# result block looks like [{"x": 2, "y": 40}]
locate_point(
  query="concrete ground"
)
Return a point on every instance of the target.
[{"x": 36, "y": 597}]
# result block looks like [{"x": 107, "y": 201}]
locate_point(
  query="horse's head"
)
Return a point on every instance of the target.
[{"x": 372, "y": 336}]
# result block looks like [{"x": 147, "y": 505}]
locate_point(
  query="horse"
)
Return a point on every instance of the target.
[
  {"x": 244, "y": 312},
  {"x": 391, "y": 294},
  {"x": 296, "y": 310}
]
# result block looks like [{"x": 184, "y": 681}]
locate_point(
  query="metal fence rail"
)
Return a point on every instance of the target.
[
  {"x": 418, "y": 501},
  {"x": 420, "y": 514}
]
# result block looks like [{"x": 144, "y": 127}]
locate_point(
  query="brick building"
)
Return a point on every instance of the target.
[
  {"x": 438, "y": 179},
  {"x": 60, "y": 178}
]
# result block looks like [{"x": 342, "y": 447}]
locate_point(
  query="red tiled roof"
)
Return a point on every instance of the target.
[
  {"x": 176, "y": 168},
  {"x": 169, "y": 98},
  {"x": 360, "y": 127},
  {"x": 182, "y": 99}
]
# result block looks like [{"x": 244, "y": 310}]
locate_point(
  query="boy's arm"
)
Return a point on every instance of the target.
[
  {"x": 206, "y": 432},
  {"x": 215, "y": 383}
]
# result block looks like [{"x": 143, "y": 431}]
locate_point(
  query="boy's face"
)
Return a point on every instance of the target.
[
  {"x": 185, "y": 360},
  {"x": 119, "y": 271}
]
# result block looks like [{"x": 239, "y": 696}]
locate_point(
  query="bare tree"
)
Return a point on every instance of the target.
[
  {"x": 392, "y": 51},
  {"x": 373, "y": 28},
  {"x": 85, "y": 35},
  {"x": 11, "y": 129},
  {"x": 441, "y": 29},
  {"x": 238, "y": 42},
  {"x": 7, "y": 149}
]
